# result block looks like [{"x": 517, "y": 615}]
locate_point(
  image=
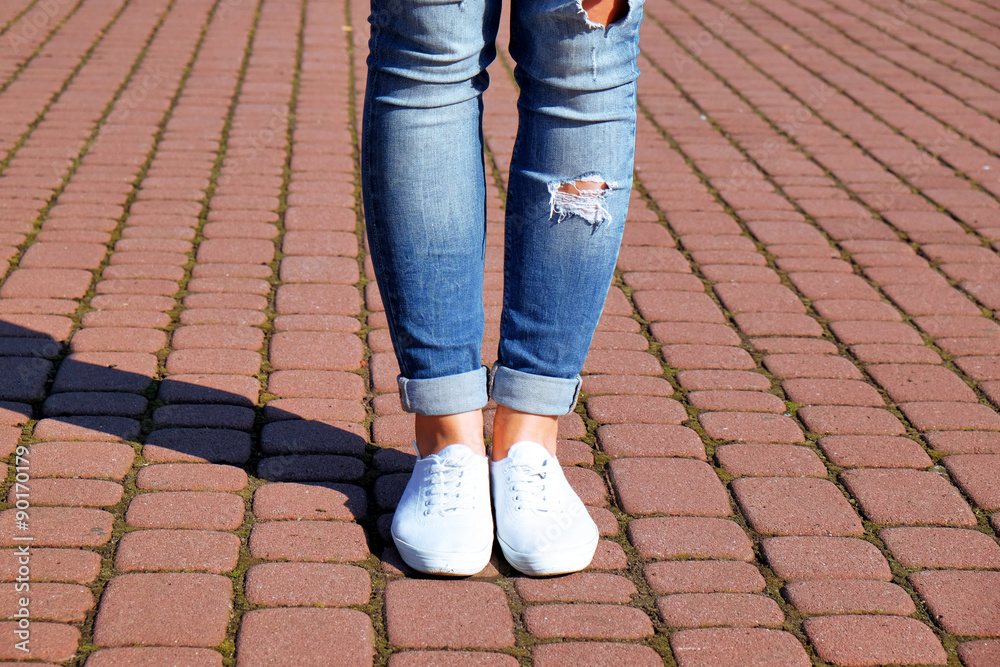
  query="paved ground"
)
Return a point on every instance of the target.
[{"x": 789, "y": 435}]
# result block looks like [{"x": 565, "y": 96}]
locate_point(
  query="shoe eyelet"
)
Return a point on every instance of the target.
[{"x": 426, "y": 513}]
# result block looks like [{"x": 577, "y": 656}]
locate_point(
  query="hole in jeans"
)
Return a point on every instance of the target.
[
  {"x": 583, "y": 197},
  {"x": 602, "y": 13}
]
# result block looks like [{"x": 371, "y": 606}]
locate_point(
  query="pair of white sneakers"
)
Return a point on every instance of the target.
[{"x": 443, "y": 523}]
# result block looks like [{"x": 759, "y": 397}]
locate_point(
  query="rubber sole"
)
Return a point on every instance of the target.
[
  {"x": 559, "y": 562},
  {"x": 461, "y": 564}
]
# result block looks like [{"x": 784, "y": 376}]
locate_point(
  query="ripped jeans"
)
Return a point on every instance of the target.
[{"x": 424, "y": 192}]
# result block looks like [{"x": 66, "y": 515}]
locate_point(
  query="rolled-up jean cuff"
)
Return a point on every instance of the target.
[
  {"x": 448, "y": 395},
  {"x": 535, "y": 394}
]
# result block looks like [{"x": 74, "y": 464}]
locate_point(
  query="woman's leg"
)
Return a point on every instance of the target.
[
  {"x": 570, "y": 179},
  {"x": 424, "y": 194}
]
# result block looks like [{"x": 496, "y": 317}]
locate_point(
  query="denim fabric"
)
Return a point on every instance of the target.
[{"x": 425, "y": 190}]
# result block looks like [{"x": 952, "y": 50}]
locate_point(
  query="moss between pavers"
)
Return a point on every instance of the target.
[
  {"x": 15, "y": 75},
  {"x": 589, "y": 429},
  {"x": 238, "y": 576},
  {"x": 119, "y": 526},
  {"x": 911, "y": 432},
  {"x": 76, "y": 159},
  {"x": 375, "y": 608}
]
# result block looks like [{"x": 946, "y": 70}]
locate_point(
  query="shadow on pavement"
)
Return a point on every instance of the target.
[{"x": 88, "y": 397}]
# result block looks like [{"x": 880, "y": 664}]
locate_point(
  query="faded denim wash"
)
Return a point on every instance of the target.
[{"x": 424, "y": 193}]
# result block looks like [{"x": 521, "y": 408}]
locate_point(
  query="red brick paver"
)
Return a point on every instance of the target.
[{"x": 431, "y": 614}]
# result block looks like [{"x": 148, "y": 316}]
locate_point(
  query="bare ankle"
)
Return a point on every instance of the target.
[
  {"x": 511, "y": 426},
  {"x": 434, "y": 433}
]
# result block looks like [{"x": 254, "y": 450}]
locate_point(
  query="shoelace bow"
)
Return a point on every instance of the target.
[
  {"x": 444, "y": 494},
  {"x": 528, "y": 484}
]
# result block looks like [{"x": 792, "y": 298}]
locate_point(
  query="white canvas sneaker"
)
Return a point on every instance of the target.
[
  {"x": 542, "y": 525},
  {"x": 443, "y": 523}
]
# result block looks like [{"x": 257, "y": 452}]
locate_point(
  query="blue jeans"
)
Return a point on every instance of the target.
[{"x": 425, "y": 194}]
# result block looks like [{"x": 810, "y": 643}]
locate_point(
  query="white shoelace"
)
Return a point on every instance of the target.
[
  {"x": 527, "y": 482},
  {"x": 444, "y": 493}
]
